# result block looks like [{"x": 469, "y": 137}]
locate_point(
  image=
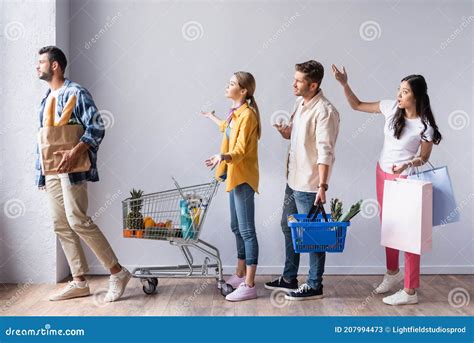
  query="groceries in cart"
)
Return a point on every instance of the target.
[
  {"x": 177, "y": 216},
  {"x": 136, "y": 224},
  {"x": 190, "y": 209},
  {"x": 165, "y": 215},
  {"x": 320, "y": 232}
]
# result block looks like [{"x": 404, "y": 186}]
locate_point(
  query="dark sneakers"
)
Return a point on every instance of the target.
[
  {"x": 281, "y": 284},
  {"x": 305, "y": 292}
]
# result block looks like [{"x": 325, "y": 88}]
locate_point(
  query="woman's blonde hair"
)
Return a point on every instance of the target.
[{"x": 247, "y": 81}]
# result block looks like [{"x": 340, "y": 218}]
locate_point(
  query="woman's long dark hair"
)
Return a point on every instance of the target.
[{"x": 423, "y": 109}]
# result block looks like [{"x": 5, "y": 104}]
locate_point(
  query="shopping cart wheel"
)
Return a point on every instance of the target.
[
  {"x": 149, "y": 285},
  {"x": 226, "y": 289}
]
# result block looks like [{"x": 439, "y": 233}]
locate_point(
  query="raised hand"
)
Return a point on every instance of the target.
[
  {"x": 207, "y": 114},
  {"x": 213, "y": 161},
  {"x": 283, "y": 129},
  {"x": 340, "y": 76}
]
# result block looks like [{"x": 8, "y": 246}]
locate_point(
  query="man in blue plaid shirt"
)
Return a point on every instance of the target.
[{"x": 67, "y": 192}]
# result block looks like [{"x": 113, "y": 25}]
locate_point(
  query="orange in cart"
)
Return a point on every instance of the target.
[
  {"x": 127, "y": 233},
  {"x": 148, "y": 222}
]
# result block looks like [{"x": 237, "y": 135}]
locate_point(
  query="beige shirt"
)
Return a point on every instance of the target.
[{"x": 315, "y": 141}]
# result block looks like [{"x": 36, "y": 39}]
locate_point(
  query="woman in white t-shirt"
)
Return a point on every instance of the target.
[{"x": 410, "y": 131}]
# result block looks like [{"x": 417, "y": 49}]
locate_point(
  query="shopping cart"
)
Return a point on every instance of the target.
[
  {"x": 176, "y": 216},
  {"x": 317, "y": 232}
]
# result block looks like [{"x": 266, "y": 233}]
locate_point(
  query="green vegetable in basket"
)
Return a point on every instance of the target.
[
  {"x": 353, "y": 211},
  {"x": 336, "y": 209}
]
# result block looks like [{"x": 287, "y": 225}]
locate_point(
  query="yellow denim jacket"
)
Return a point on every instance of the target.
[{"x": 242, "y": 146}]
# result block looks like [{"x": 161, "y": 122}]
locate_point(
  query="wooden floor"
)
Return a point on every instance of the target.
[{"x": 345, "y": 295}]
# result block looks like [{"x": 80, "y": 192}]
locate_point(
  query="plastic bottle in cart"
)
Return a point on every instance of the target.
[
  {"x": 185, "y": 219},
  {"x": 195, "y": 211},
  {"x": 203, "y": 205}
]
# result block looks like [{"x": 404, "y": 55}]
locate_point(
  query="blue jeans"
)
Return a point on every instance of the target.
[
  {"x": 300, "y": 202},
  {"x": 242, "y": 223}
]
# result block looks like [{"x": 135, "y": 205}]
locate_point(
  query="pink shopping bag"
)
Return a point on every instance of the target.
[{"x": 407, "y": 219}]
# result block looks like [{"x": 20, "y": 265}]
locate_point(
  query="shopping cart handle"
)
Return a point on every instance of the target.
[{"x": 315, "y": 210}]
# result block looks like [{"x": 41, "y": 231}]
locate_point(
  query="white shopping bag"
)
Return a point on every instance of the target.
[{"x": 407, "y": 215}]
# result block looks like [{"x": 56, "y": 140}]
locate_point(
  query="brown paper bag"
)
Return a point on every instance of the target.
[{"x": 57, "y": 138}]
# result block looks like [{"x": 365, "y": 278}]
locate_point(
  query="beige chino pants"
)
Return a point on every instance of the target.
[{"x": 68, "y": 205}]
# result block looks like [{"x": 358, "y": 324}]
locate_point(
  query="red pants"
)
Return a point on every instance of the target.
[{"x": 412, "y": 261}]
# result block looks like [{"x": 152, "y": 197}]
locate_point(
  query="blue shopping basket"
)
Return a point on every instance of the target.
[{"x": 316, "y": 232}]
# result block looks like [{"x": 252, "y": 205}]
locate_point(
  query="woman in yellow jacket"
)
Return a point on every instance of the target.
[{"x": 238, "y": 165}]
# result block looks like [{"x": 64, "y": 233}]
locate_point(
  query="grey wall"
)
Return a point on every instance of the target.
[
  {"x": 152, "y": 66},
  {"x": 29, "y": 251},
  {"x": 150, "y": 76}
]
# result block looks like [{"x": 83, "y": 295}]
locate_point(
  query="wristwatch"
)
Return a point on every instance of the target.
[{"x": 323, "y": 185}]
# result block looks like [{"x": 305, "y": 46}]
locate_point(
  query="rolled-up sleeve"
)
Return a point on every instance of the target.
[
  {"x": 327, "y": 128},
  {"x": 248, "y": 128},
  {"x": 94, "y": 129}
]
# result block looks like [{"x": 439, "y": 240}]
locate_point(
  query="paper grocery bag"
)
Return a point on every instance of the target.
[
  {"x": 56, "y": 138},
  {"x": 445, "y": 209},
  {"x": 407, "y": 217}
]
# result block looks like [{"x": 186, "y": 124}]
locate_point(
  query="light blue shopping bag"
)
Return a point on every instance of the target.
[{"x": 445, "y": 209}]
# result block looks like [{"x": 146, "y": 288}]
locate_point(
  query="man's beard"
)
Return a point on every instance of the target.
[{"x": 47, "y": 76}]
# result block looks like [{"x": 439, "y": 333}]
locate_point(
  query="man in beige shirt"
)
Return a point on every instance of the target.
[{"x": 312, "y": 131}]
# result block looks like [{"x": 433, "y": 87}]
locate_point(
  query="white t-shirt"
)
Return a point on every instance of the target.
[
  {"x": 54, "y": 94},
  {"x": 398, "y": 151},
  {"x": 294, "y": 129}
]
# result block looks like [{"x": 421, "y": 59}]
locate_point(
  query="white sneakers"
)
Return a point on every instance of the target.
[
  {"x": 117, "y": 284},
  {"x": 73, "y": 289},
  {"x": 76, "y": 289},
  {"x": 401, "y": 298},
  {"x": 235, "y": 281},
  {"x": 389, "y": 282}
]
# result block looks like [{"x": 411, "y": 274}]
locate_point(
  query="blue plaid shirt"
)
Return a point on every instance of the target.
[{"x": 85, "y": 113}]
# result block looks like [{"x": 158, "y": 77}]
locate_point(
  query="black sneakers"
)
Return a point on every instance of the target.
[
  {"x": 280, "y": 283},
  {"x": 305, "y": 292}
]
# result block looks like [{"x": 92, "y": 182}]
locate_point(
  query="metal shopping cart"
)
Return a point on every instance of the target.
[{"x": 176, "y": 216}]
